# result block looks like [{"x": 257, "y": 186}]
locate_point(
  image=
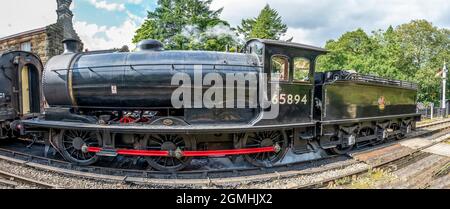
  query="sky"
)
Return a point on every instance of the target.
[{"x": 105, "y": 24}]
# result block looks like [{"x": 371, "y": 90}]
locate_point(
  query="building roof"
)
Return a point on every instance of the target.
[
  {"x": 25, "y": 33},
  {"x": 289, "y": 44}
]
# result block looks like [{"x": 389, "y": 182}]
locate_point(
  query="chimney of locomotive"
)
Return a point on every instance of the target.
[
  {"x": 71, "y": 46},
  {"x": 150, "y": 45}
]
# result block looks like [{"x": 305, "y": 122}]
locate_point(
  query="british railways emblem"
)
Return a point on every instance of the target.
[{"x": 381, "y": 103}]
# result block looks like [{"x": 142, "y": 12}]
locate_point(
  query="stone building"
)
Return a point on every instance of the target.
[{"x": 45, "y": 41}]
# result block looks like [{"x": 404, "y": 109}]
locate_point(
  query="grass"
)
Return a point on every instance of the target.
[
  {"x": 444, "y": 170},
  {"x": 365, "y": 181},
  {"x": 425, "y": 121}
]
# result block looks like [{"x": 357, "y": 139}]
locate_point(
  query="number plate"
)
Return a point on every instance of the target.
[{"x": 290, "y": 99}]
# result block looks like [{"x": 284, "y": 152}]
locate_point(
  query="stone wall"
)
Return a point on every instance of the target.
[
  {"x": 37, "y": 40},
  {"x": 45, "y": 42},
  {"x": 53, "y": 43}
]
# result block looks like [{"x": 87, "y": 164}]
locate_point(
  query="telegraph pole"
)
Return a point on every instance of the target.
[{"x": 444, "y": 83}]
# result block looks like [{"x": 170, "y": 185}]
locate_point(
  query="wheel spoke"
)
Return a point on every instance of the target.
[
  {"x": 73, "y": 134},
  {"x": 156, "y": 142},
  {"x": 258, "y": 141},
  {"x": 179, "y": 142},
  {"x": 254, "y": 140},
  {"x": 256, "y": 137},
  {"x": 167, "y": 142},
  {"x": 276, "y": 136},
  {"x": 71, "y": 147},
  {"x": 256, "y": 156},
  {"x": 83, "y": 155}
]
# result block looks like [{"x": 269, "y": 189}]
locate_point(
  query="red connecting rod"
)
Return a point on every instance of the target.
[{"x": 179, "y": 153}]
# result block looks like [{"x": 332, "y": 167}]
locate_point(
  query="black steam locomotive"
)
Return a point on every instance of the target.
[{"x": 109, "y": 104}]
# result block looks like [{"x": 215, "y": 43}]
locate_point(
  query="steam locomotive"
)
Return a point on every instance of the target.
[{"x": 105, "y": 104}]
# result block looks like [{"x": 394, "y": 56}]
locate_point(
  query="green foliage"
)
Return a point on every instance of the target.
[
  {"x": 268, "y": 25},
  {"x": 414, "y": 51},
  {"x": 187, "y": 25}
]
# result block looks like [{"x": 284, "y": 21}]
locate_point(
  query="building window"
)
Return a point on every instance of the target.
[
  {"x": 280, "y": 68},
  {"x": 26, "y": 46},
  {"x": 301, "y": 69}
]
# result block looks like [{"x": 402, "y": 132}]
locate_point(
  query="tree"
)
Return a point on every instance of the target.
[
  {"x": 352, "y": 51},
  {"x": 186, "y": 24},
  {"x": 413, "y": 51},
  {"x": 268, "y": 25},
  {"x": 421, "y": 43}
]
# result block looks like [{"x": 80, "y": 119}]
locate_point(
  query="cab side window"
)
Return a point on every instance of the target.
[
  {"x": 280, "y": 68},
  {"x": 301, "y": 69}
]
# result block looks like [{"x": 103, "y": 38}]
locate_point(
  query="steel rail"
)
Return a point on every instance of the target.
[
  {"x": 28, "y": 181},
  {"x": 357, "y": 172}
]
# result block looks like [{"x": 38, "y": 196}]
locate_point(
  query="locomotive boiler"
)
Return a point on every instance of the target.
[
  {"x": 266, "y": 101},
  {"x": 131, "y": 80}
]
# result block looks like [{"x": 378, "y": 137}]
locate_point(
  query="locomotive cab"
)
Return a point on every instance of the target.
[
  {"x": 292, "y": 66},
  {"x": 289, "y": 62}
]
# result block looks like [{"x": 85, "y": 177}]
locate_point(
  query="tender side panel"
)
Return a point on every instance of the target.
[{"x": 352, "y": 100}]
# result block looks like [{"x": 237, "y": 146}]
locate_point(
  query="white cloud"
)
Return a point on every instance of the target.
[
  {"x": 135, "y": 1},
  {"x": 23, "y": 15},
  {"x": 299, "y": 35},
  {"x": 139, "y": 20},
  {"x": 102, "y": 4},
  {"x": 97, "y": 37},
  {"x": 35, "y": 14},
  {"x": 318, "y": 21},
  {"x": 72, "y": 6},
  {"x": 309, "y": 22}
]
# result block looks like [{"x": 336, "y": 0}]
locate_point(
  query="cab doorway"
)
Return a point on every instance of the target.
[{"x": 30, "y": 95}]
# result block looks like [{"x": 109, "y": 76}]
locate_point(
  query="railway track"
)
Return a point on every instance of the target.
[
  {"x": 401, "y": 162},
  {"x": 216, "y": 176},
  {"x": 14, "y": 181},
  {"x": 396, "y": 160}
]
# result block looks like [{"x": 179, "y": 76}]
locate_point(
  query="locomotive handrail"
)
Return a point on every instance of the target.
[
  {"x": 132, "y": 67},
  {"x": 90, "y": 69},
  {"x": 376, "y": 79}
]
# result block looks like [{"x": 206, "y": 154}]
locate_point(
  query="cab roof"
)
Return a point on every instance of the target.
[{"x": 289, "y": 44}]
